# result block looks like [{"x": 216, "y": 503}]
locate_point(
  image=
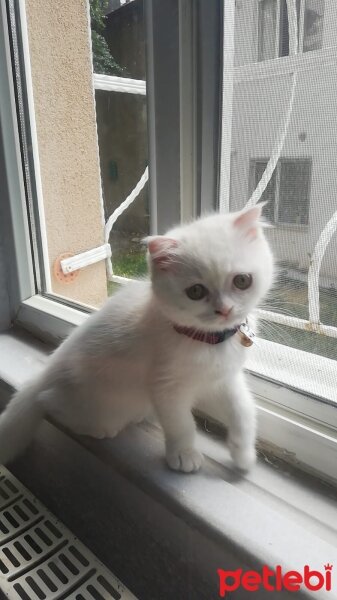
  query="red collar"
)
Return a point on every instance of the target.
[{"x": 211, "y": 337}]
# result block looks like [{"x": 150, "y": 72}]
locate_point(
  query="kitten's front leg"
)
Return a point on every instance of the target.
[
  {"x": 175, "y": 416},
  {"x": 241, "y": 422}
]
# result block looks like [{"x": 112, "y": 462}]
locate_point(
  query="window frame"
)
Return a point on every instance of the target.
[
  {"x": 20, "y": 268},
  {"x": 53, "y": 320},
  {"x": 48, "y": 318},
  {"x": 19, "y": 70},
  {"x": 176, "y": 119},
  {"x": 277, "y": 50}
]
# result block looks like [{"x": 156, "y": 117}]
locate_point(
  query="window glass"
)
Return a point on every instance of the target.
[
  {"x": 284, "y": 30},
  {"x": 267, "y": 29},
  {"x": 87, "y": 101},
  {"x": 284, "y": 26},
  {"x": 122, "y": 136},
  {"x": 313, "y": 25},
  {"x": 310, "y": 21}
]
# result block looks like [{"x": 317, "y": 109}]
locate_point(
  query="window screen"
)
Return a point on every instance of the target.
[{"x": 284, "y": 119}]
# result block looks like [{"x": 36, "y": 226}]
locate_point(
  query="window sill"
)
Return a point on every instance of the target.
[
  {"x": 52, "y": 321},
  {"x": 49, "y": 320},
  {"x": 315, "y": 375},
  {"x": 297, "y": 427},
  {"x": 274, "y": 515}
]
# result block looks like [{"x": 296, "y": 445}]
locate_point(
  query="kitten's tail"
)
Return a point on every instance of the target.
[{"x": 19, "y": 421}]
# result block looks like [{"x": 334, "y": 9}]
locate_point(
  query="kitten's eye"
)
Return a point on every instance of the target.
[
  {"x": 196, "y": 292},
  {"x": 243, "y": 281}
]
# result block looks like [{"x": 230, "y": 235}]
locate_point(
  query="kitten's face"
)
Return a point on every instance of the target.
[{"x": 212, "y": 273}]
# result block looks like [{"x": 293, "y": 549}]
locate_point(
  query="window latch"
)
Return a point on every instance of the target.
[{"x": 84, "y": 259}]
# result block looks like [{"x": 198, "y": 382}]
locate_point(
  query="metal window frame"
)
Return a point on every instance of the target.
[
  {"x": 14, "y": 224},
  {"x": 26, "y": 123},
  {"x": 162, "y": 53},
  {"x": 209, "y": 57},
  {"x": 184, "y": 111}
]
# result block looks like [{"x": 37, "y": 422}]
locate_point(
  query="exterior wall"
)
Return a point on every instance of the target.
[
  {"x": 259, "y": 108},
  {"x": 246, "y": 28},
  {"x": 60, "y": 55}
]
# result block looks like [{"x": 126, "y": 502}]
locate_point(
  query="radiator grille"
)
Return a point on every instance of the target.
[{"x": 41, "y": 559}]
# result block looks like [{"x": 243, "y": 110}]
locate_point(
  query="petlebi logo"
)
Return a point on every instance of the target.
[{"x": 275, "y": 580}]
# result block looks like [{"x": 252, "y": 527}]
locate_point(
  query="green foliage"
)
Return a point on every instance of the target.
[
  {"x": 130, "y": 265},
  {"x": 103, "y": 61},
  {"x": 127, "y": 264},
  {"x": 97, "y": 16}
]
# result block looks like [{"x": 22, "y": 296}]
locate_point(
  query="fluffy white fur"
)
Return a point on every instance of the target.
[{"x": 128, "y": 359}]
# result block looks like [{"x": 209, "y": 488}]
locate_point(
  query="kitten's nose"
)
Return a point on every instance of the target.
[{"x": 224, "y": 311}]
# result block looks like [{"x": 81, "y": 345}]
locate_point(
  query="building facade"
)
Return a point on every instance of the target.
[{"x": 302, "y": 192}]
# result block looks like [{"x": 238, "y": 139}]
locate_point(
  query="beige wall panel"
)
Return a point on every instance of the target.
[{"x": 60, "y": 57}]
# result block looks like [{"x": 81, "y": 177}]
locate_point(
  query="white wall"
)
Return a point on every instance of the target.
[{"x": 259, "y": 107}]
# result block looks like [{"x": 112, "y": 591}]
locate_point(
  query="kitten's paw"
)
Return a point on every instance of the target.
[
  {"x": 243, "y": 458},
  {"x": 187, "y": 460}
]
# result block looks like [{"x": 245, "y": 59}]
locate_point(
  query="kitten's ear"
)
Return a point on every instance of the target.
[
  {"x": 248, "y": 220},
  {"x": 161, "y": 250}
]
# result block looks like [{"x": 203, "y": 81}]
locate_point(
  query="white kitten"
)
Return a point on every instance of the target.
[{"x": 152, "y": 346}]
